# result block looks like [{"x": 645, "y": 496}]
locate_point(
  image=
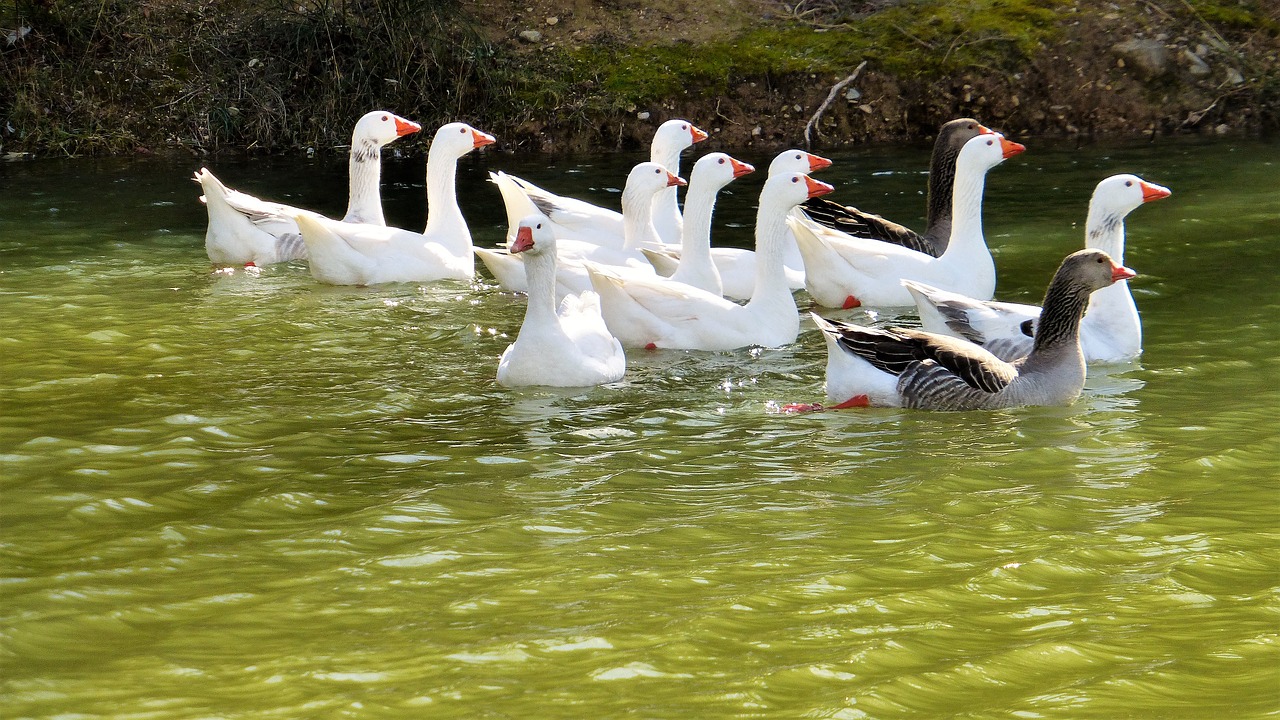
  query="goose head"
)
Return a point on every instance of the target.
[
  {"x": 718, "y": 169},
  {"x": 673, "y": 136},
  {"x": 791, "y": 189},
  {"x": 648, "y": 178},
  {"x": 797, "y": 161},
  {"x": 956, "y": 133},
  {"x": 1118, "y": 195},
  {"x": 459, "y": 138},
  {"x": 987, "y": 150},
  {"x": 1092, "y": 269},
  {"x": 381, "y": 127},
  {"x": 533, "y": 236}
]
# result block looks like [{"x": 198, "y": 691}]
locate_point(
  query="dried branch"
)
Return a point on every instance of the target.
[{"x": 831, "y": 96}]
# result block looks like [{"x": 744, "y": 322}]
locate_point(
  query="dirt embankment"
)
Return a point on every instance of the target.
[{"x": 81, "y": 76}]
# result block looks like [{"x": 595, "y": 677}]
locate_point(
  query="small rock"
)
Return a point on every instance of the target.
[
  {"x": 865, "y": 108},
  {"x": 531, "y": 36},
  {"x": 553, "y": 20},
  {"x": 1234, "y": 77},
  {"x": 852, "y": 94},
  {"x": 642, "y": 115},
  {"x": 1222, "y": 129},
  {"x": 1198, "y": 67},
  {"x": 797, "y": 108},
  {"x": 757, "y": 131},
  {"x": 1148, "y": 56}
]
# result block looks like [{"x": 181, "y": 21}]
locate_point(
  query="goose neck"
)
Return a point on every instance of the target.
[
  {"x": 364, "y": 172},
  {"x": 1064, "y": 305},
  {"x": 637, "y": 221},
  {"x": 771, "y": 231},
  {"x": 444, "y": 217},
  {"x": 540, "y": 270},
  {"x": 942, "y": 179},
  {"x": 966, "y": 208},
  {"x": 699, "y": 205}
]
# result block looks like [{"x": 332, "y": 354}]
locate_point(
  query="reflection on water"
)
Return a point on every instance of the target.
[{"x": 243, "y": 494}]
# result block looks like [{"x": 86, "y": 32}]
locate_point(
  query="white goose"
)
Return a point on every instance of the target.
[
  {"x": 569, "y": 348},
  {"x": 846, "y": 271},
  {"x": 360, "y": 254},
  {"x": 896, "y": 367},
  {"x": 575, "y": 219},
  {"x": 244, "y": 230},
  {"x": 663, "y": 314},
  {"x": 711, "y": 173},
  {"x": 1111, "y": 330},
  {"x": 644, "y": 182},
  {"x": 736, "y": 267}
]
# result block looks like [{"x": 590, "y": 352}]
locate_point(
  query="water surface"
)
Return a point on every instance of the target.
[{"x": 247, "y": 495}]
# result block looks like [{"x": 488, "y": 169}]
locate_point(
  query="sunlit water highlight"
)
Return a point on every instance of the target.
[{"x": 247, "y": 495}]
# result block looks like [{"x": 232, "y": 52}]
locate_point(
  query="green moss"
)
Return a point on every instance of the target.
[
  {"x": 925, "y": 37},
  {"x": 1242, "y": 14}
]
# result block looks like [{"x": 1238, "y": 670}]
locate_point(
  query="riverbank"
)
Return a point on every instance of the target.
[{"x": 80, "y": 77}]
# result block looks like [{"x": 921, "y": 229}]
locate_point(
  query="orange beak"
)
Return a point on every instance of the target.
[
  {"x": 406, "y": 127},
  {"x": 740, "y": 168},
  {"x": 817, "y": 163},
  {"x": 523, "y": 241},
  {"x": 817, "y": 187},
  {"x": 1151, "y": 191},
  {"x": 984, "y": 130},
  {"x": 698, "y": 135},
  {"x": 481, "y": 139},
  {"x": 1011, "y": 148},
  {"x": 1120, "y": 272},
  {"x": 673, "y": 181}
]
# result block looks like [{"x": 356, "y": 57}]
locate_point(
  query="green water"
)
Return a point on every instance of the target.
[{"x": 248, "y": 496}]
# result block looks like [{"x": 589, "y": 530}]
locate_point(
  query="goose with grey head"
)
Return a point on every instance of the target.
[{"x": 898, "y": 367}]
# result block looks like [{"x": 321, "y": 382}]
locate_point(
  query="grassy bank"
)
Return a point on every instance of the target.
[{"x": 115, "y": 76}]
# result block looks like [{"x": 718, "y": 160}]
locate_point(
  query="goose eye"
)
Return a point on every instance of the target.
[
  {"x": 970, "y": 126},
  {"x": 462, "y": 130},
  {"x": 539, "y": 227},
  {"x": 797, "y": 157},
  {"x": 991, "y": 142},
  {"x": 1099, "y": 261},
  {"x": 1128, "y": 183},
  {"x": 385, "y": 118},
  {"x": 657, "y": 172},
  {"x": 795, "y": 179},
  {"x": 721, "y": 161},
  {"x": 684, "y": 127}
]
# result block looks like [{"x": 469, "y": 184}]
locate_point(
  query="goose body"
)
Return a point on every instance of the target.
[
  {"x": 364, "y": 254},
  {"x": 573, "y": 219},
  {"x": 1111, "y": 330},
  {"x": 570, "y": 347},
  {"x": 846, "y": 271},
  {"x": 898, "y": 367},
  {"x": 736, "y": 267},
  {"x": 644, "y": 182},
  {"x": 942, "y": 171},
  {"x": 246, "y": 230},
  {"x": 663, "y": 314}
]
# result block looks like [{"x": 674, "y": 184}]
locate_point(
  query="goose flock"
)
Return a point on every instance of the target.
[{"x": 599, "y": 280}]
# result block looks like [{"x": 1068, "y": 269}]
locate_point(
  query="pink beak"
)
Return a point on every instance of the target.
[
  {"x": 1120, "y": 272},
  {"x": 673, "y": 181},
  {"x": 523, "y": 241}
]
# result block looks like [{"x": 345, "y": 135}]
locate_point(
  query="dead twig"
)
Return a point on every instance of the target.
[{"x": 831, "y": 96}]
